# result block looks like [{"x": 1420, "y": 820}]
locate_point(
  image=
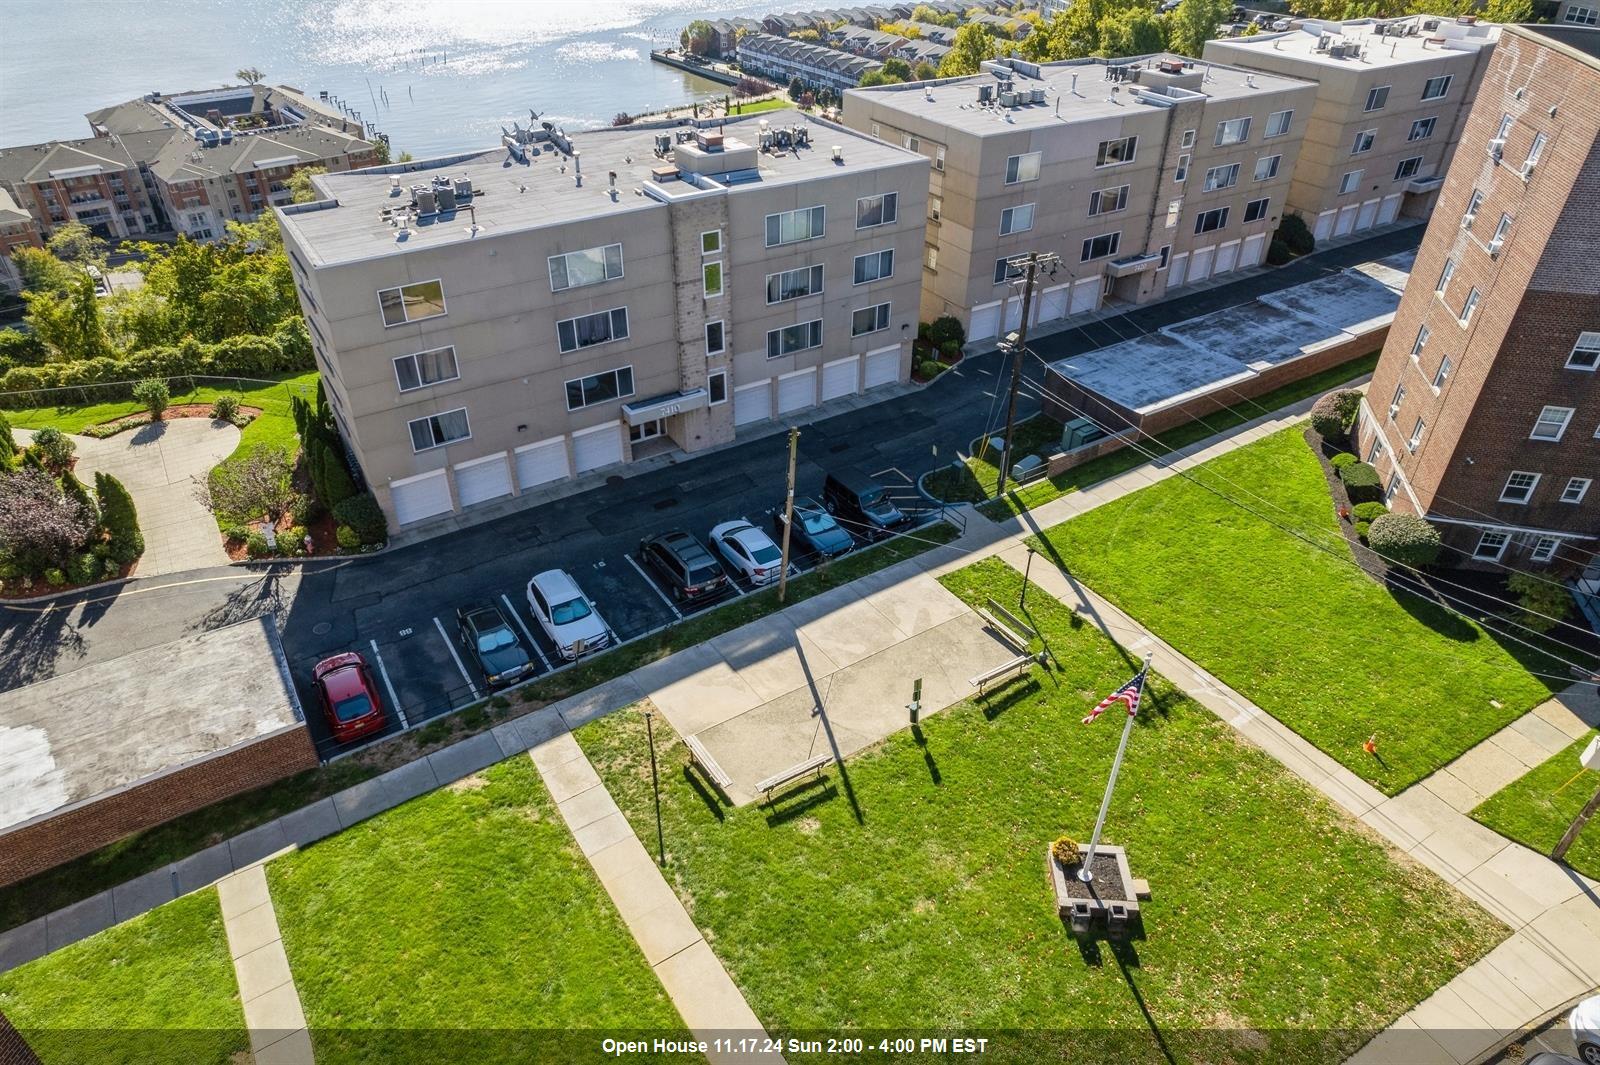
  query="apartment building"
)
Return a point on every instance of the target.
[
  {"x": 490, "y": 323},
  {"x": 817, "y": 66},
  {"x": 1142, "y": 175},
  {"x": 1578, "y": 12},
  {"x": 1484, "y": 411},
  {"x": 17, "y": 230},
  {"x": 188, "y": 162},
  {"x": 1392, "y": 96}
]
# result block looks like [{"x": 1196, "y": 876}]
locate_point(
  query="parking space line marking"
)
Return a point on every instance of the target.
[
  {"x": 653, "y": 587},
  {"x": 389, "y": 686},
  {"x": 450, "y": 646},
  {"x": 523, "y": 626}
]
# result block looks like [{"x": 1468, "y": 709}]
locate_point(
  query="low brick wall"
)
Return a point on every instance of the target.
[
  {"x": 43, "y": 844},
  {"x": 1062, "y": 461}
]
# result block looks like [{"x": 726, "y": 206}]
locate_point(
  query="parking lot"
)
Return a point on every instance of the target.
[{"x": 422, "y": 668}]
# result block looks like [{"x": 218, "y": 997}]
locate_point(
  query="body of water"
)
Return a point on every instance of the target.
[{"x": 435, "y": 75}]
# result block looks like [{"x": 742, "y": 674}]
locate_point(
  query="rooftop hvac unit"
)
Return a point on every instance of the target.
[
  {"x": 445, "y": 197},
  {"x": 985, "y": 93},
  {"x": 463, "y": 187},
  {"x": 1078, "y": 432},
  {"x": 1036, "y": 96},
  {"x": 663, "y": 143},
  {"x": 1008, "y": 99},
  {"x": 1323, "y": 42},
  {"x": 425, "y": 200}
]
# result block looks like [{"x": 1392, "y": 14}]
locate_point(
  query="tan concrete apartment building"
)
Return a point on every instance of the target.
[
  {"x": 1142, "y": 175},
  {"x": 1484, "y": 412},
  {"x": 569, "y": 304},
  {"x": 1391, "y": 99}
]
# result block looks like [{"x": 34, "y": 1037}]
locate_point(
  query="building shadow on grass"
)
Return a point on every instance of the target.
[
  {"x": 707, "y": 795},
  {"x": 821, "y": 712}
]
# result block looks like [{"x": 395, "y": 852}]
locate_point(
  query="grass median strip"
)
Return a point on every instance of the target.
[
  {"x": 911, "y": 894},
  {"x": 1299, "y": 630},
  {"x": 1536, "y": 810},
  {"x": 157, "y": 989}
]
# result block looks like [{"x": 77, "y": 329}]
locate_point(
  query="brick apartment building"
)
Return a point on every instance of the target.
[
  {"x": 17, "y": 230},
  {"x": 1484, "y": 411}
]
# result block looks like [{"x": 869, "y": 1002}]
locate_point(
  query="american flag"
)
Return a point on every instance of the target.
[{"x": 1128, "y": 694}]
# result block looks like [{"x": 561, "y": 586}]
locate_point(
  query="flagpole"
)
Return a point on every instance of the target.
[{"x": 1086, "y": 872}]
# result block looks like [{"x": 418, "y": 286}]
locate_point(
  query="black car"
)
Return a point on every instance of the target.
[
  {"x": 861, "y": 505},
  {"x": 815, "y": 531},
  {"x": 686, "y": 568},
  {"x": 494, "y": 645}
]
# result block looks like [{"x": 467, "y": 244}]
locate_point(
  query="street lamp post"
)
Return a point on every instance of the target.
[
  {"x": 655, "y": 785},
  {"x": 1022, "y": 600}
]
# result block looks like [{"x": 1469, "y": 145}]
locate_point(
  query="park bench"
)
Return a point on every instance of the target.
[
  {"x": 708, "y": 765},
  {"x": 1004, "y": 671},
  {"x": 793, "y": 773}
]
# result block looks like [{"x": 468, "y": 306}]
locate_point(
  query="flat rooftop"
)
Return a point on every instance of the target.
[
  {"x": 77, "y": 736},
  {"x": 1584, "y": 39},
  {"x": 1218, "y": 350},
  {"x": 1379, "y": 42},
  {"x": 1075, "y": 90},
  {"x": 543, "y": 189}
]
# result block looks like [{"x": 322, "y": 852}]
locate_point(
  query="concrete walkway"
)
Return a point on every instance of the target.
[
  {"x": 705, "y": 995},
  {"x": 278, "y": 1033},
  {"x": 1525, "y": 744}
]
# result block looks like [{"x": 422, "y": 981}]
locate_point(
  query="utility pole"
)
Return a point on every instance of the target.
[
  {"x": 1588, "y": 759},
  {"x": 788, "y": 513},
  {"x": 1018, "y": 349}
]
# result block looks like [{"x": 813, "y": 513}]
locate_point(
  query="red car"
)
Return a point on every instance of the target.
[{"x": 349, "y": 698}]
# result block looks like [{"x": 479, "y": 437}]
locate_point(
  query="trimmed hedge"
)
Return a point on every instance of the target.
[
  {"x": 119, "y": 517},
  {"x": 1332, "y": 414},
  {"x": 362, "y": 513},
  {"x": 1368, "y": 511},
  {"x": 1342, "y": 459},
  {"x": 1293, "y": 232},
  {"x": 1404, "y": 539},
  {"x": 1361, "y": 483}
]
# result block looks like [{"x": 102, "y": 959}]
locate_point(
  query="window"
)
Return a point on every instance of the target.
[
  {"x": 1445, "y": 275},
  {"x": 1392, "y": 488},
  {"x": 1422, "y": 129},
  {"x": 790, "y": 227},
  {"x": 1585, "y": 352},
  {"x": 1233, "y": 131},
  {"x": 1208, "y": 221},
  {"x": 910, "y": 143},
  {"x": 1544, "y": 548},
  {"x": 426, "y": 368},
  {"x": 874, "y": 266},
  {"x": 1181, "y": 172},
  {"x": 716, "y": 338},
  {"x": 1473, "y": 203},
  {"x": 1016, "y": 219},
  {"x": 1377, "y": 98},
  {"x": 1506, "y": 122},
  {"x": 437, "y": 430},
  {"x": 1114, "y": 153},
  {"x": 1174, "y": 209},
  {"x": 588, "y": 330},
  {"x": 1350, "y": 182},
  {"x": 1416, "y": 435},
  {"x": 794, "y": 284},
  {"x": 1256, "y": 210},
  {"x": 875, "y": 132},
  {"x": 1398, "y": 398},
  {"x": 1108, "y": 201},
  {"x": 876, "y": 210},
  {"x": 1166, "y": 257},
  {"x": 1365, "y": 139},
  {"x": 1469, "y": 306},
  {"x": 1535, "y": 150},
  {"x": 1552, "y": 424},
  {"x": 1491, "y": 545},
  {"x": 938, "y": 158},
  {"x": 411, "y": 303},
  {"x": 601, "y": 388},
  {"x": 711, "y": 276},
  {"x": 1519, "y": 487},
  {"x": 1101, "y": 246},
  {"x": 587, "y": 267},
  {"x": 935, "y": 205},
  {"x": 1278, "y": 123},
  {"x": 1576, "y": 489},
  {"x": 1267, "y": 167},
  {"x": 1376, "y": 451},
  {"x": 1188, "y": 139},
  {"x": 869, "y": 320},
  {"x": 1006, "y": 270},
  {"x": 1222, "y": 177},
  {"x": 930, "y": 257},
  {"x": 793, "y": 338},
  {"x": 1407, "y": 168},
  {"x": 717, "y": 388},
  {"x": 710, "y": 242},
  {"x": 1421, "y": 341},
  {"x": 1023, "y": 168},
  {"x": 1435, "y": 88},
  {"x": 1581, "y": 16}
]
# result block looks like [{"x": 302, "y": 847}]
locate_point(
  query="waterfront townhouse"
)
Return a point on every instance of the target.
[
  {"x": 817, "y": 66},
  {"x": 17, "y": 230},
  {"x": 1392, "y": 96},
  {"x": 492, "y": 323},
  {"x": 1141, "y": 175}
]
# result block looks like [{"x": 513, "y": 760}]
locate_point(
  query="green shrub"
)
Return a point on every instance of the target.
[
  {"x": 153, "y": 393},
  {"x": 225, "y": 408},
  {"x": 1404, "y": 539},
  {"x": 1342, "y": 459},
  {"x": 1293, "y": 232},
  {"x": 1544, "y": 602},
  {"x": 1065, "y": 850},
  {"x": 119, "y": 517},
  {"x": 337, "y": 484},
  {"x": 931, "y": 368},
  {"x": 292, "y": 541},
  {"x": 8, "y": 443},
  {"x": 925, "y": 332},
  {"x": 73, "y": 488},
  {"x": 347, "y": 538},
  {"x": 1278, "y": 253},
  {"x": 236, "y": 533},
  {"x": 1368, "y": 511},
  {"x": 84, "y": 569},
  {"x": 304, "y": 510},
  {"x": 54, "y": 577},
  {"x": 255, "y": 545},
  {"x": 1332, "y": 413},
  {"x": 110, "y": 569},
  {"x": 950, "y": 350},
  {"x": 362, "y": 513},
  {"x": 436, "y": 731},
  {"x": 1361, "y": 483},
  {"x": 947, "y": 328},
  {"x": 1362, "y": 528},
  {"x": 475, "y": 716},
  {"x": 55, "y": 448}
]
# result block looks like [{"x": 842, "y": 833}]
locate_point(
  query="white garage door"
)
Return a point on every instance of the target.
[
  {"x": 797, "y": 391},
  {"x": 1013, "y": 313},
  {"x": 1178, "y": 272},
  {"x": 1085, "y": 295},
  {"x": 840, "y": 376},
  {"x": 985, "y": 321},
  {"x": 752, "y": 402},
  {"x": 1053, "y": 303},
  {"x": 1200, "y": 264},
  {"x": 483, "y": 479},
  {"x": 420, "y": 497},
  {"x": 1369, "y": 215},
  {"x": 1227, "y": 258},
  {"x": 541, "y": 463},
  {"x": 1324, "y": 228},
  {"x": 597, "y": 447},
  {"x": 883, "y": 367},
  {"x": 1253, "y": 247},
  {"x": 1390, "y": 209},
  {"x": 1347, "y": 220}
]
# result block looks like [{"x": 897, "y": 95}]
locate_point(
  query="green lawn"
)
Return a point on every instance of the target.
[
  {"x": 159, "y": 988},
  {"x": 1300, "y": 631},
  {"x": 978, "y": 481},
  {"x": 1536, "y": 810},
  {"x": 469, "y": 912},
  {"x": 774, "y": 104},
  {"x": 930, "y": 909}
]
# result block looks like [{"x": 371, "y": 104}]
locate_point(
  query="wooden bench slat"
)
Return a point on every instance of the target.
[
  {"x": 800, "y": 769},
  {"x": 1003, "y": 629},
  {"x": 1016, "y": 665},
  {"x": 708, "y": 764}
]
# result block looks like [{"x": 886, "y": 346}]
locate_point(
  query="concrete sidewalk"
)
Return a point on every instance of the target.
[{"x": 272, "y": 1011}]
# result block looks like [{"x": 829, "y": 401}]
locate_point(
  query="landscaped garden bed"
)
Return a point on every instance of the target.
[
  {"x": 242, "y": 416},
  {"x": 1536, "y": 809}
]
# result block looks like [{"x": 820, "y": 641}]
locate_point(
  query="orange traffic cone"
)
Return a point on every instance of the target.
[{"x": 1371, "y": 744}]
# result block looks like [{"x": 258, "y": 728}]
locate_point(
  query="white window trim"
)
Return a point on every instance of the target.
[
  {"x": 1266, "y": 206},
  {"x": 878, "y": 196},
  {"x": 1355, "y": 186},
  {"x": 1582, "y": 484},
  {"x": 1277, "y": 163},
  {"x": 726, "y": 391},
  {"x": 1119, "y": 162},
  {"x": 715, "y": 251},
  {"x": 409, "y": 320},
  {"x": 1218, "y": 142},
  {"x": 888, "y": 319},
  {"x": 1544, "y": 548},
  {"x": 767, "y": 349},
  {"x": 1356, "y": 149},
  {"x": 1419, "y": 121},
  {"x": 1031, "y": 208},
  {"x": 1119, "y": 191},
  {"x": 1573, "y": 354},
  {"x": 438, "y": 414},
  {"x": 1232, "y": 169},
  {"x": 619, "y": 397},
  {"x": 1449, "y": 79},
  {"x": 1505, "y": 489},
  {"x": 592, "y": 314},
  {"x": 1477, "y": 551},
  {"x": 872, "y": 255},
  {"x": 722, "y": 332},
  {"x": 1020, "y": 180},
  {"x": 1386, "y": 89},
  {"x": 451, "y": 348},
  {"x": 798, "y": 240},
  {"x": 822, "y": 283},
  {"x": 1115, "y": 237},
  {"x": 722, "y": 279},
  {"x": 1267, "y": 134},
  {"x": 1566, "y": 423},
  {"x": 622, "y": 261}
]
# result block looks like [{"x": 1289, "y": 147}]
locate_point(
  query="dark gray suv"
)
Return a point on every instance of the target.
[{"x": 685, "y": 567}]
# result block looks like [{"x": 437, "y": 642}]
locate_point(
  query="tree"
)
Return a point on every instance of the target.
[
  {"x": 877, "y": 77},
  {"x": 924, "y": 13},
  {"x": 300, "y": 190},
  {"x": 77, "y": 244},
  {"x": 89, "y": 331},
  {"x": 250, "y": 75},
  {"x": 255, "y": 485},
  {"x": 41, "y": 272},
  {"x": 972, "y": 47},
  {"x": 1544, "y": 602},
  {"x": 73, "y": 489},
  {"x": 120, "y": 519},
  {"x": 40, "y": 527},
  {"x": 925, "y": 71},
  {"x": 55, "y": 449},
  {"x": 898, "y": 69},
  {"x": 808, "y": 35},
  {"x": 1194, "y": 23},
  {"x": 153, "y": 393},
  {"x": 1132, "y": 31},
  {"x": 796, "y": 89},
  {"x": 698, "y": 37},
  {"x": 1509, "y": 11},
  {"x": 1075, "y": 33},
  {"x": 337, "y": 484},
  {"x": 8, "y": 445}
]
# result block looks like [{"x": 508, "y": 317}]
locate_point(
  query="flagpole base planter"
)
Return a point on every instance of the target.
[{"x": 1109, "y": 903}]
